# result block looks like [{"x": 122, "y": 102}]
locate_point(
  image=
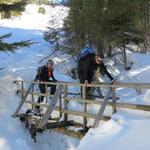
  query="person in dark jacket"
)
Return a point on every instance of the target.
[
  {"x": 87, "y": 67},
  {"x": 43, "y": 75}
]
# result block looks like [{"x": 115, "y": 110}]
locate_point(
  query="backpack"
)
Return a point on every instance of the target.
[
  {"x": 39, "y": 71},
  {"x": 84, "y": 52}
]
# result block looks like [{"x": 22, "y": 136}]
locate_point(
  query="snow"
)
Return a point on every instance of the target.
[
  {"x": 124, "y": 131},
  {"x": 29, "y": 20},
  {"x": 127, "y": 129},
  {"x": 23, "y": 65}
]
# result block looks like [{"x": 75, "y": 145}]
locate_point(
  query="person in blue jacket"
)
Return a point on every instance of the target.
[{"x": 87, "y": 67}]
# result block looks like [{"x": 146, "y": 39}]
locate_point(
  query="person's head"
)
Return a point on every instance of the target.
[
  {"x": 50, "y": 63},
  {"x": 98, "y": 59}
]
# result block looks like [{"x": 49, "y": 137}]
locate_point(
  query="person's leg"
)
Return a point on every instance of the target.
[
  {"x": 99, "y": 91},
  {"x": 42, "y": 90},
  {"x": 81, "y": 78},
  {"x": 53, "y": 89},
  {"x": 40, "y": 98}
]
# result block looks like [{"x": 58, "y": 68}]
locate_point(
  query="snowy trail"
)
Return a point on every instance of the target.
[
  {"x": 25, "y": 61},
  {"x": 120, "y": 133},
  {"x": 23, "y": 64},
  {"x": 13, "y": 134}
]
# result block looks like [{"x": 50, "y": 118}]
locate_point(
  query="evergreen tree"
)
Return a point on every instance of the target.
[
  {"x": 107, "y": 24},
  {"x": 11, "y": 47}
]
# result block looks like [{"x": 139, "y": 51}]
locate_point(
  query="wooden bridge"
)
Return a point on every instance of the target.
[{"x": 62, "y": 96}]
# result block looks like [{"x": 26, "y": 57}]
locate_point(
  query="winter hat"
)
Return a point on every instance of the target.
[{"x": 50, "y": 62}]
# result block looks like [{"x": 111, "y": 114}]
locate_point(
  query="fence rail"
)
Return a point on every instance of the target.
[{"x": 65, "y": 98}]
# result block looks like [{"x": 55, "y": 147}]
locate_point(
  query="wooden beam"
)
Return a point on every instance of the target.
[
  {"x": 118, "y": 104},
  {"x": 102, "y": 108},
  {"x": 23, "y": 100},
  {"x": 54, "y": 125},
  {"x": 65, "y": 102},
  {"x": 35, "y": 93},
  {"x": 75, "y": 134},
  {"x": 71, "y": 112},
  {"x": 50, "y": 108},
  {"x": 83, "y": 114},
  {"x": 84, "y": 93},
  {"x": 96, "y": 84}
]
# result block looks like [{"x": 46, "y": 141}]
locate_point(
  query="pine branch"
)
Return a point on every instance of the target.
[
  {"x": 5, "y": 36},
  {"x": 11, "y": 47}
]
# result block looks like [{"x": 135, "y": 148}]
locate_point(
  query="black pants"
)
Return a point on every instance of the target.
[
  {"x": 43, "y": 90},
  {"x": 82, "y": 80}
]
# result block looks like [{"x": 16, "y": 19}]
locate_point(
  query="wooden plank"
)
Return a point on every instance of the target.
[
  {"x": 98, "y": 84},
  {"x": 35, "y": 93},
  {"x": 85, "y": 106},
  {"x": 83, "y": 114},
  {"x": 22, "y": 88},
  {"x": 65, "y": 102},
  {"x": 74, "y": 134},
  {"x": 46, "y": 91},
  {"x": 113, "y": 100},
  {"x": 32, "y": 95},
  {"x": 51, "y": 107},
  {"x": 60, "y": 107},
  {"x": 118, "y": 104},
  {"x": 71, "y": 112},
  {"x": 133, "y": 106},
  {"x": 23, "y": 100},
  {"x": 102, "y": 108},
  {"x": 53, "y": 125}
]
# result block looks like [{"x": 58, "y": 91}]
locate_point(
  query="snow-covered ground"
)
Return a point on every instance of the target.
[
  {"x": 23, "y": 65},
  {"x": 127, "y": 130}
]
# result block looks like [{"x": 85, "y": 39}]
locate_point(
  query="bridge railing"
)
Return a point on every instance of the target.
[{"x": 63, "y": 108}]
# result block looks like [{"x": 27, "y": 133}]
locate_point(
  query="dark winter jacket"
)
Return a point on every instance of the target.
[
  {"x": 87, "y": 68},
  {"x": 44, "y": 75}
]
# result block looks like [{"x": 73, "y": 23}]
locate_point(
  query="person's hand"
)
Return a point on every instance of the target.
[
  {"x": 114, "y": 82},
  {"x": 41, "y": 82},
  {"x": 86, "y": 82}
]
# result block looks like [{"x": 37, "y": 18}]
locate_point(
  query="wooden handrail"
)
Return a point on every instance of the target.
[
  {"x": 118, "y": 104},
  {"x": 70, "y": 112},
  {"x": 84, "y": 100},
  {"x": 96, "y": 84}
]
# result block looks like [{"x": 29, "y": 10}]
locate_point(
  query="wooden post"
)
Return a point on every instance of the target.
[
  {"x": 138, "y": 89},
  {"x": 85, "y": 107},
  {"x": 23, "y": 100},
  {"x": 46, "y": 93},
  {"x": 102, "y": 108},
  {"x": 32, "y": 95},
  {"x": 60, "y": 107},
  {"x": 65, "y": 102},
  {"x": 22, "y": 89},
  {"x": 113, "y": 100},
  {"x": 50, "y": 108}
]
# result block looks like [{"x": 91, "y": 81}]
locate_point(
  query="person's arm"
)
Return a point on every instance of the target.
[{"x": 103, "y": 67}]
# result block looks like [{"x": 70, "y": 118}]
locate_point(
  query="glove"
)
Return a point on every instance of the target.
[
  {"x": 113, "y": 82},
  {"x": 86, "y": 82}
]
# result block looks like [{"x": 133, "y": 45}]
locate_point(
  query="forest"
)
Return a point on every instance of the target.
[{"x": 105, "y": 25}]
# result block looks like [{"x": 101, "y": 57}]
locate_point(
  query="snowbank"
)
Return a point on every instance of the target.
[
  {"x": 23, "y": 64},
  {"x": 123, "y": 132},
  {"x": 34, "y": 20}
]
